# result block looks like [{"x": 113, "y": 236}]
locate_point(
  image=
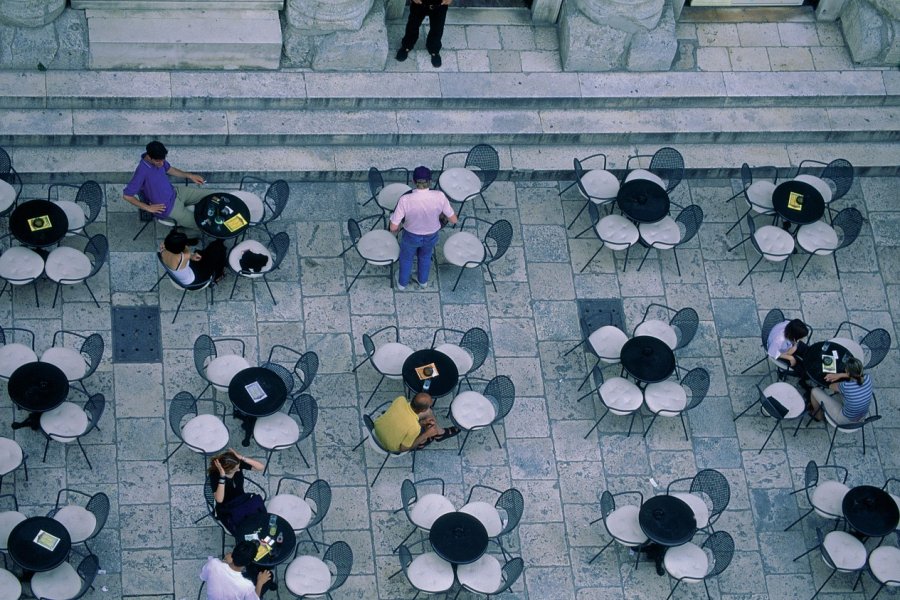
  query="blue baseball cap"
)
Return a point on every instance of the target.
[{"x": 422, "y": 174}]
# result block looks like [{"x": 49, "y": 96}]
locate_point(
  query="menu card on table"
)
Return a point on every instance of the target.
[
  {"x": 795, "y": 201},
  {"x": 39, "y": 223},
  {"x": 46, "y": 540},
  {"x": 829, "y": 363},
  {"x": 236, "y": 222},
  {"x": 257, "y": 394},
  {"x": 427, "y": 371}
]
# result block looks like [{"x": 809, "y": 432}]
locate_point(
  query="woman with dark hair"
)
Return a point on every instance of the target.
[
  {"x": 187, "y": 266},
  {"x": 786, "y": 344},
  {"x": 226, "y": 478},
  {"x": 849, "y": 397}
]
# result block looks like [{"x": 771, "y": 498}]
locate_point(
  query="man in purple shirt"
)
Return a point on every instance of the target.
[{"x": 160, "y": 197}]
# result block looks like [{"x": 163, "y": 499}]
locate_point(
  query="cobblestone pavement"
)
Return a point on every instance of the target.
[{"x": 151, "y": 548}]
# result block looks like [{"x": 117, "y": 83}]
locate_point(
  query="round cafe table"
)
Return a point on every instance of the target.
[
  {"x": 32, "y": 556},
  {"x": 643, "y": 201},
  {"x": 210, "y": 217},
  {"x": 647, "y": 359},
  {"x": 458, "y": 538},
  {"x": 21, "y": 230},
  {"x": 447, "y": 377},
  {"x": 248, "y": 410},
  {"x": 259, "y": 524},
  {"x": 811, "y": 209},
  {"x": 870, "y": 511},
  {"x": 812, "y": 360},
  {"x": 667, "y": 520},
  {"x": 37, "y": 387}
]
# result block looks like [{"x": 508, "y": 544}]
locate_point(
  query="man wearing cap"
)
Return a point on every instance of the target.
[
  {"x": 436, "y": 11},
  {"x": 420, "y": 211}
]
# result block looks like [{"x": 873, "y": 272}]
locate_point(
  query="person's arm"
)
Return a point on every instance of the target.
[
  {"x": 254, "y": 464},
  {"x": 423, "y": 437},
  {"x": 447, "y": 211},
  {"x": 219, "y": 485},
  {"x": 261, "y": 580},
  {"x": 186, "y": 174},
  {"x": 130, "y": 191}
]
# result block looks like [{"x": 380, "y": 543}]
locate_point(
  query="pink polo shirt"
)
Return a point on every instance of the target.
[{"x": 422, "y": 209}]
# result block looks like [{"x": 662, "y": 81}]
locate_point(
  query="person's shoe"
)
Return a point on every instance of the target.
[
  {"x": 402, "y": 54},
  {"x": 449, "y": 432},
  {"x": 400, "y": 287},
  {"x": 436, "y": 61},
  {"x": 422, "y": 285}
]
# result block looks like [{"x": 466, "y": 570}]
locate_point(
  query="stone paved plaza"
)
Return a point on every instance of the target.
[{"x": 151, "y": 548}]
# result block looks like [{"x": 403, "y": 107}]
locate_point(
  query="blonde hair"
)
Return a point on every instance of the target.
[{"x": 855, "y": 370}]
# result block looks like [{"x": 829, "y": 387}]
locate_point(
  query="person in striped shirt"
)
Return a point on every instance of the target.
[{"x": 847, "y": 398}]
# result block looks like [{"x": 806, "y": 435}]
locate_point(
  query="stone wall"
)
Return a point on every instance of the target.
[
  {"x": 335, "y": 35},
  {"x": 872, "y": 31},
  {"x": 59, "y": 44}
]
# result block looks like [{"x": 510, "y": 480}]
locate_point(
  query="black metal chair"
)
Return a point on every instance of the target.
[
  {"x": 621, "y": 523},
  {"x": 841, "y": 552},
  {"x": 484, "y": 162},
  {"x": 423, "y": 509},
  {"x": 386, "y": 196},
  {"x": 471, "y": 411},
  {"x": 302, "y": 514},
  {"x": 836, "y": 177},
  {"x": 8, "y": 520},
  {"x": 277, "y": 195},
  {"x": 369, "y": 423},
  {"x": 669, "y": 234},
  {"x": 9, "y": 196},
  {"x": 618, "y": 396},
  {"x": 204, "y": 434},
  {"x": 849, "y": 428},
  {"x": 468, "y": 355},
  {"x": 707, "y": 483},
  {"x": 824, "y": 497},
  {"x": 613, "y": 231},
  {"x": 83, "y": 523},
  {"x": 466, "y": 251},
  {"x": 279, "y": 431},
  {"x": 90, "y": 194},
  {"x": 597, "y": 186},
  {"x": 304, "y": 370},
  {"x": 210, "y": 499},
  {"x": 69, "y": 422},
  {"x": 820, "y": 239},
  {"x": 666, "y": 165},
  {"x": 77, "y": 364},
  {"x": 780, "y": 401},
  {"x": 500, "y": 518},
  {"x": 758, "y": 194},
  {"x": 670, "y": 399},
  {"x": 338, "y": 560},
  {"x": 871, "y": 349},
  {"x": 689, "y": 562},
  {"x": 437, "y": 578},
  {"x": 11, "y": 458},
  {"x": 14, "y": 354},
  {"x": 191, "y": 287},
  {"x": 20, "y": 266},
  {"x": 884, "y": 567},
  {"x": 378, "y": 247},
  {"x": 773, "y": 318},
  {"x": 684, "y": 325},
  {"x": 276, "y": 250},
  {"x": 48, "y": 582},
  {"x": 771, "y": 242},
  {"x": 476, "y": 579},
  {"x": 387, "y": 359},
  {"x": 216, "y": 369},
  {"x": 68, "y": 266}
]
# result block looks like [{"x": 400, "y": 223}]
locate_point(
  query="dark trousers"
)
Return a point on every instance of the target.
[{"x": 436, "y": 17}]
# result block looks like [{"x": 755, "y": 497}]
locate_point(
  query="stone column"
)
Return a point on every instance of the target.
[
  {"x": 393, "y": 9},
  {"x": 872, "y": 31},
  {"x": 545, "y": 12},
  {"x": 613, "y": 35},
  {"x": 30, "y": 13},
  {"x": 335, "y": 35}
]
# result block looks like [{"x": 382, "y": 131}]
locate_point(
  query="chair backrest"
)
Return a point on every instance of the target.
[
  {"x": 685, "y": 322},
  {"x": 878, "y": 341},
  {"x": 181, "y": 405},
  {"x": 501, "y": 233},
  {"x": 721, "y": 544},
  {"x": 849, "y": 221},
  {"x": 94, "y": 408},
  {"x": 715, "y": 485},
  {"x": 98, "y": 506},
  {"x": 91, "y": 195},
  {"x": 306, "y": 368},
  {"x": 607, "y": 504},
  {"x": 405, "y": 557},
  {"x": 319, "y": 493},
  {"x": 277, "y": 198},
  {"x": 511, "y": 502},
  {"x": 354, "y": 231},
  {"x": 510, "y": 573},
  {"x": 92, "y": 347},
  {"x": 97, "y": 249},
  {"x": 840, "y": 173},
  {"x": 485, "y": 158},
  {"x": 287, "y": 378},
  {"x": 87, "y": 570},
  {"x": 669, "y": 165},
  {"x": 4, "y": 340},
  {"x": 204, "y": 349},
  {"x": 858, "y": 424},
  {"x": 279, "y": 244},
  {"x": 597, "y": 373},
  {"x": 307, "y": 410},
  {"x": 773, "y": 318},
  {"x": 811, "y": 474},
  {"x": 690, "y": 218},
  {"x": 5, "y": 162},
  {"x": 502, "y": 390},
  {"x": 477, "y": 343},
  {"x": 770, "y": 406},
  {"x": 376, "y": 181},
  {"x": 195, "y": 286},
  {"x": 746, "y": 177},
  {"x": 341, "y": 556},
  {"x": 697, "y": 380}
]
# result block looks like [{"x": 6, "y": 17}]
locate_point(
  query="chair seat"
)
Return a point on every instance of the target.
[
  {"x": 276, "y": 430},
  {"x": 487, "y": 514},
  {"x": 607, "y": 342},
  {"x": 388, "y": 358},
  {"x": 222, "y": 369},
  {"x": 428, "y": 508},
  {"x": 617, "y": 232},
  {"x": 645, "y": 174},
  {"x": 390, "y": 194},
  {"x": 847, "y": 552},
  {"x": 234, "y": 257},
  {"x": 430, "y": 573},
  {"x": 698, "y": 507},
  {"x": 485, "y": 575},
  {"x": 660, "y": 330},
  {"x": 601, "y": 185},
  {"x": 61, "y": 583},
  {"x": 760, "y": 194},
  {"x": 10, "y": 455},
  {"x": 294, "y": 509},
  {"x": 67, "y": 265},
  {"x": 8, "y": 520},
  {"x": 65, "y": 422},
  {"x": 623, "y": 525},
  {"x": 459, "y": 183},
  {"x": 70, "y": 361},
  {"x": 828, "y": 497},
  {"x": 775, "y": 243},
  {"x": 818, "y": 238},
  {"x": 820, "y": 184},
  {"x": 852, "y": 347},
  {"x": 788, "y": 396},
  {"x": 253, "y": 202},
  {"x": 668, "y": 396},
  {"x": 687, "y": 561},
  {"x": 470, "y": 410},
  {"x": 621, "y": 396},
  {"x": 663, "y": 234},
  {"x": 307, "y": 576},
  {"x": 7, "y": 195},
  {"x": 205, "y": 432},
  {"x": 10, "y": 588},
  {"x": 78, "y": 521},
  {"x": 379, "y": 247},
  {"x": 463, "y": 248},
  {"x": 13, "y": 356},
  {"x": 884, "y": 564},
  {"x": 460, "y": 357},
  {"x": 21, "y": 265},
  {"x": 74, "y": 214}
]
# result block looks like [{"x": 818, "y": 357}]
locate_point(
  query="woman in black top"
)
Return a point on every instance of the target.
[{"x": 226, "y": 478}]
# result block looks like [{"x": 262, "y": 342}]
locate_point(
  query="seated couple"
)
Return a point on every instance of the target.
[{"x": 410, "y": 425}]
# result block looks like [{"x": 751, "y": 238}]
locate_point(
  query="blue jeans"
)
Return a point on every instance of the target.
[{"x": 416, "y": 246}]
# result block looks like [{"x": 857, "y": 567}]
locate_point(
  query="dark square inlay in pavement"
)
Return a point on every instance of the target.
[
  {"x": 136, "y": 334},
  {"x": 595, "y": 313}
]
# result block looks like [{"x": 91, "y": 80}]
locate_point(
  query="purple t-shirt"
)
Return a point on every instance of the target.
[{"x": 153, "y": 184}]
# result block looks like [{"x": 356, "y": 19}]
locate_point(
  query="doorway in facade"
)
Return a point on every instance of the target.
[{"x": 493, "y": 3}]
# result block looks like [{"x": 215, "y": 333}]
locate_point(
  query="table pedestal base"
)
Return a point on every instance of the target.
[
  {"x": 33, "y": 420},
  {"x": 247, "y": 424}
]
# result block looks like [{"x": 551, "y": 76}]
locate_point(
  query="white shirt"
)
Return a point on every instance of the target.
[
  {"x": 777, "y": 343},
  {"x": 224, "y": 583}
]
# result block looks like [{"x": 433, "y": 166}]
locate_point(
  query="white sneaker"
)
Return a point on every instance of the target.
[
  {"x": 400, "y": 287},
  {"x": 422, "y": 285}
]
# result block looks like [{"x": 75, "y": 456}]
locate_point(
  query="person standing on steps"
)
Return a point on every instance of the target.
[{"x": 436, "y": 11}]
